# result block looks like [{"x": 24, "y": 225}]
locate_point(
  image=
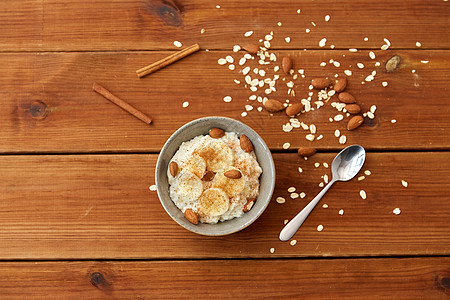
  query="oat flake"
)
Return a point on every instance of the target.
[
  {"x": 341, "y": 212},
  {"x": 227, "y": 99},
  {"x": 363, "y": 194},
  {"x": 302, "y": 195},
  {"x": 397, "y": 211},
  {"x": 177, "y": 44},
  {"x": 404, "y": 183},
  {"x": 280, "y": 200},
  {"x": 320, "y": 228},
  {"x": 272, "y": 250},
  {"x": 248, "y": 33},
  {"x": 325, "y": 205},
  {"x": 293, "y": 242},
  {"x": 286, "y": 146},
  {"x": 185, "y": 104},
  {"x": 152, "y": 187},
  {"x": 291, "y": 189}
]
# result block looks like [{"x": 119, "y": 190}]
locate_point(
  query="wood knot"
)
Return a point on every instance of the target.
[
  {"x": 393, "y": 63},
  {"x": 372, "y": 123},
  {"x": 38, "y": 110},
  {"x": 443, "y": 283},
  {"x": 98, "y": 280},
  {"x": 168, "y": 10}
]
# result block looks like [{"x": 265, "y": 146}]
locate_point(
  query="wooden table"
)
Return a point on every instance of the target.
[{"x": 77, "y": 218}]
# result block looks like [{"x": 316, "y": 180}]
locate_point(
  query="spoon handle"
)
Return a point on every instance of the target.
[{"x": 291, "y": 228}]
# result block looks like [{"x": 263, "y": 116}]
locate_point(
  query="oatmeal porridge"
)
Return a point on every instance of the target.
[{"x": 214, "y": 177}]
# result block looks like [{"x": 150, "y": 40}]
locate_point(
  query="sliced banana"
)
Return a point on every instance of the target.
[
  {"x": 217, "y": 155},
  {"x": 195, "y": 164},
  {"x": 213, "y": 202},
  {"x": 188, "y": 186},
  {"x": 231, "y": 187}
]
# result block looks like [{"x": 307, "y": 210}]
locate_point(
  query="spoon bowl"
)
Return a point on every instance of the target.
[{"x": 345, "y": 166}]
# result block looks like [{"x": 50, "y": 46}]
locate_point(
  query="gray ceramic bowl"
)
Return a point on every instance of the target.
[{"x": 201, "y": 127}]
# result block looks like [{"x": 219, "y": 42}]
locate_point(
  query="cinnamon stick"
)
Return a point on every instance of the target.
[
  {"x": 167, "y": 60},
  {"x": 122, "y": 104}
]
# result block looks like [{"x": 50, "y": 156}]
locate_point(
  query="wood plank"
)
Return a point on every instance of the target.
[
  {"x": 49, "y": 105},
  {"x": 60, "y": 25},
  {"x": 99, "y": 206},
  {"x": 388, "y": 278}
]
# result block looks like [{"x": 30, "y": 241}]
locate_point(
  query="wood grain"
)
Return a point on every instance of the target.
[
  {"x": 49, "y": 106},
  {"x": 387, "y": 278},
  {"x": 60, "y": 25},
  {"x": 100, "y": 206}
]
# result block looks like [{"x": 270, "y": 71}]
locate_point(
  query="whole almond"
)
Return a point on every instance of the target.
[
  {"x": 249, "y": 204},
  {"x": 320, "y": 83},
  {"x": 353, "y": 108},
  {"x": 173, "y": 169},
  {"x": 208, "y": 176},
  {"x": 251, "y": 48},
  {"x": 346, "y": 97},
  {"x": 306, "y": 151},
  {"x": 273, "y": 105},
  {"x": 286, "y": 64},
  {"x": 340, "y": 85},
  {"x": 233, "y": 174},
  {"x": 294, "y": 109},
  {"x": 191, "y": 216},
  {"x": 216, "y": 133},
  {"x": 245, "y": 143},
  {"x": 355, "y": 122}
]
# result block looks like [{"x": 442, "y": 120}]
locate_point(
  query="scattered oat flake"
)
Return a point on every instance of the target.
[
  {"x": 367, "y": 172},
  {"x": 280, "y": 200},
  {"x": 342, "y": 139},
  {"x": 231, "y": 67},
  {"x": 397, "y": 211},
  {"x": 353, "y": 50},
  {"x": 302, "y": 195},
  {"x": 300, "y": 170},
  {"x": 361, "y": 178},
  {"x": 185, "y": 104},
  {"x": 248, "y": 33},
  {"x": 370, "y": 115},
  {"x": 316, "y": 164},
  {"x": 177, "y": 44},
  {"x": 372, "y": 55},
  {"x": 244, "y": 114},
  {"x": 366, "y": 39},
  {"x": 393, "y": 121},
  {"x": 321, "y": 184},
  {"x": 348, "y": 72},
  {"x": 373, "y": 108},
  {"x": 323, "y": 64},
  {"x": 293, "y": 242},
  {"x": 286, "y": 145},
  {"x": 337, "y": 133},
  {"x": 229, "y": 59},
  {"x": 325, "y": 165},
  {"x": 404, "y": 183},
  {"x": 322, "y": 42},
  {"x": 202, "y": 31},
  {"x": 287, "y": 39},
  {"x": 310, "y": 137},
  {"x": 222, "y": 61},
  {"x": 341, "y": 212},
  {"x": 236, "y": 48},
  {"x": 227, "y": 98},
  {"x": 308, "y": 30},
  {"x": 320, "y": 228},
  {"x": 418, "y": 44},
  {"x": 248, "y": 107},
  {"x": 325, "y": 205},
  {"x": 327, "y": 18},
  {"x": 363, "y": 194},
  {"x": 424, "y": 61},
  {"x": 338, "y": 117},
  {"x": 370, "y": 78},
  {"x": 360, "y": 65},
  {"x": 285, "y": 221},
  {"x": 291, "y": 189},
  {"x": 325, "y": 178},
  {"x": 294, "y": 195},
  {"x": 299, "y": 10},
  {"x": 272, "y": 250},
  {"x": 313, "y": 24},
  {"x": 384, "y": 83},
  {"x": 152, "y": 187},
  {"x": 279, "y": 23},
  {"x": 319, "y": 137},
  {"x": 336, "y": 64}
]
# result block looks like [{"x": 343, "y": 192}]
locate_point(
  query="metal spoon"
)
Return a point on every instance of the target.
[{"x": 344, "y": 167}]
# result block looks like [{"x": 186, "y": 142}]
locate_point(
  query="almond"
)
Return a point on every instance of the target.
[
  {"x": 273, "y": 105},
  {"x": 216, "y": 133},
  {"x": 191, "y": 216},
  {"x": 208, "y": 176},
  {"x": 294, "y": 109},
  {"x": 286, "y": 64},
  {"x": 346, "y": 97},
  {"x": 353, "y": 108},
  {"x": 355, "y": 122},
  {"x": 305, "y": 151},
  {"x": 233, "y": 174},
  {"x": 340, "y": 85},
  {"x": 251, "y": 48},
  {"x": 320, "y": 83},
  {"x": 249, "y": 204},
  {"x": 245, "y": 143},
  {"x": 173, "y": 169}
]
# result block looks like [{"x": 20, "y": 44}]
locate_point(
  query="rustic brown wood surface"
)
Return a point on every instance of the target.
[
  {"x": 75, "y": 169},
  {"x": 100, "y": 206},
  {"x": 49, "y": 105},
  {"x": 404, "y": 278}
]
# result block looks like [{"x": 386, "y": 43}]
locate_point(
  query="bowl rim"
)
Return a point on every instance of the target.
[{"x": 271, "y": 172}]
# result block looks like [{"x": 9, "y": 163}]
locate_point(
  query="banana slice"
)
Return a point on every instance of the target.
[
  {"x": 230, "y": 186},
  {"x": 213, "y": 202},
  {"x": 217, "y": 155},
  {"x": 195, "y": 164},
  {"x": 187, "y": 186}
]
